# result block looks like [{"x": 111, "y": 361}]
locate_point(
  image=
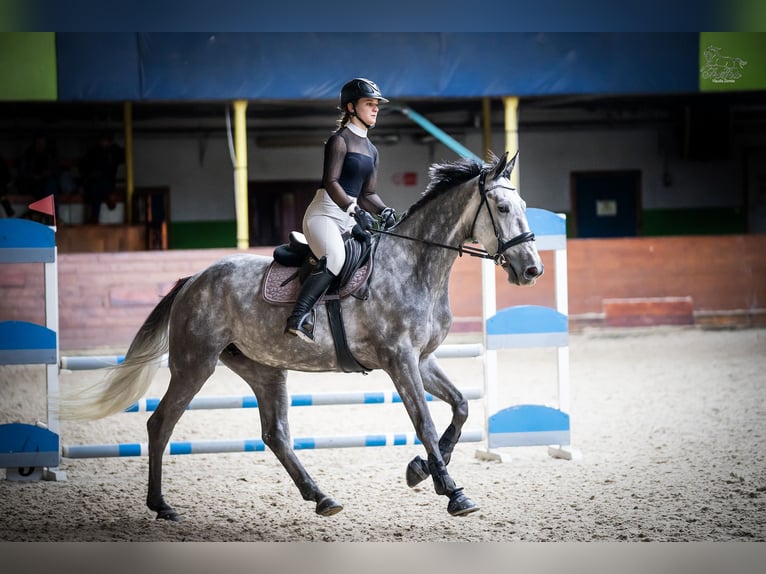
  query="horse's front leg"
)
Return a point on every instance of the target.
[
  {"x": 436, "y": 382},
  {"x": 406, "y": 375}
]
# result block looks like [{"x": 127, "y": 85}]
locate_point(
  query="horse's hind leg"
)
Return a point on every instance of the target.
[
  {"x": 184, "y": 384},
  {"x": 269, "y": 386},
  {"x": 436, "y": 382}
]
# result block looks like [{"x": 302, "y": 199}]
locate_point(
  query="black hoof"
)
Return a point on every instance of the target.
[
  {"x": 168, "y": 514},
  {"x": 417, "y": 471},
  {"x": 327, "y": 507},
  {"x": 460, "y": 504}
]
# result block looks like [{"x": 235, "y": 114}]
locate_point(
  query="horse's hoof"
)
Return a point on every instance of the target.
[
  {"x": 327, "y": 507},
  {"x": 168, "y": 514},
  {"x": 417, "y": 471},
  {"x": 460, "y": 504}
]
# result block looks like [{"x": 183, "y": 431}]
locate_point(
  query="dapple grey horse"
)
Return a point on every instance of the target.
[{"x": 219, "y": 313}]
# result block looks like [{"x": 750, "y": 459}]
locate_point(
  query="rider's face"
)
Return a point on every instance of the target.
[{"x": 367, "y": 110}]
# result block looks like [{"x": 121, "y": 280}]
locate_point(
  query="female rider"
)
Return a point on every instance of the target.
[{"x": 345, "y": 199}]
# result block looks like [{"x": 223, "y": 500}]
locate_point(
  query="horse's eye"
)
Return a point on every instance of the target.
[{"x": 503, "y": 207}]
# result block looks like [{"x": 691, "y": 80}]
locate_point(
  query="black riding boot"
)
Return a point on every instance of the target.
[{"x": 300, "y": 322}]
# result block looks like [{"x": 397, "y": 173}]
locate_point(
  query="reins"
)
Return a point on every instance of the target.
[
  {"x": 498, "y": 257},
  {"x": 472, "y": 251}
]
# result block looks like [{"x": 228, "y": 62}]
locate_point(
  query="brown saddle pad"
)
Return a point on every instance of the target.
[{"x": 281, "y": 286}]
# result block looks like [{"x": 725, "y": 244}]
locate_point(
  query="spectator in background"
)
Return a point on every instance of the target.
[
  {"x": 5, "y": 180},
  {"x": 38, "y": 170},
  {"x": 98, "y": 171}
]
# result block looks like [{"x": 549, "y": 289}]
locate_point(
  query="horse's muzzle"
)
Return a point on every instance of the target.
[
  {"x": 532, "y": 272},
  {"x": 527, "y": 276}
]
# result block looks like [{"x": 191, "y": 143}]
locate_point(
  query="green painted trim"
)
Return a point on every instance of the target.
[
  {"x": 202, "y": 234},
  {"x": 28, "y": 66},
  {"x": 654, "y": 222},
  {"x": 693, "y": 221}
]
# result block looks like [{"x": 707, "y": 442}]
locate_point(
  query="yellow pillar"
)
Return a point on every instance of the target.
[
  {"x": 512, "y": 133},
  {"x": 240, "y": 172},
  {"x": 127, "y": 112}
]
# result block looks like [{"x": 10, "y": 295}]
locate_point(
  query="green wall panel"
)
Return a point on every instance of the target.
[
  {"x": 28, "y": 66},
  {"x": 202, "y": 234},
  {"x": 704, "y": 221}
]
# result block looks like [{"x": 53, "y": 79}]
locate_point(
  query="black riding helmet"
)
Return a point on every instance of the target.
[{"x": 359, "y": 88}]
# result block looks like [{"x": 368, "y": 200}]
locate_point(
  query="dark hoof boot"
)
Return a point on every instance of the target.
[
  {"x": 417, "y": 471},
  {"x": 327, "y": 507},
  {"x": 460, "y": 504},
  {"x": 443, "y": 483},
  {"x": 168, "y": 514}
]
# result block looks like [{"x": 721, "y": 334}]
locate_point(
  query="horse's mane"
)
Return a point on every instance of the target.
[{"x": 446, "y": 176}]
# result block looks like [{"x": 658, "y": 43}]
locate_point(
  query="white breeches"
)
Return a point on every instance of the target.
[{"x": 323, "y": 224}]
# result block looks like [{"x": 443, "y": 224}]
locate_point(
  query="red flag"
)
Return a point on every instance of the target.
[{"x": 45, "y": 205}]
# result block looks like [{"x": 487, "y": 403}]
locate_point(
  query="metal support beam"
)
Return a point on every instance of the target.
[
  {"x": 439, "y": 134},
  {"x": 486, "y": 108},
  {"x": 127, "y": 113}
]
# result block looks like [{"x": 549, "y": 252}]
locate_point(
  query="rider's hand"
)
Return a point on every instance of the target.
[
  {"x": 363, "y": 219},
  {"x": 361, "y": 235},
  {"x": 388, "y": 217}
]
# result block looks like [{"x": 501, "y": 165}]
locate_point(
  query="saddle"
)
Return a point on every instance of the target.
[{"x": 294, "y": 261}]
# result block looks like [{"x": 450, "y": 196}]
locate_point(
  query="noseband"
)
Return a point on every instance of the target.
[
  {"x": 502, "y": 245},
  {"x": 498, "y": 257}
]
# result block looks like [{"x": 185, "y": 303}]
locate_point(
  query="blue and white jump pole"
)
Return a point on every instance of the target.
[{"x": 254, "y": 445}]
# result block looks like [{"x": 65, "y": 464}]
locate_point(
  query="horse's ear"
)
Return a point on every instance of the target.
[
  {"x": 511, "y": 164},
  {"x": 499, "y": 168}
]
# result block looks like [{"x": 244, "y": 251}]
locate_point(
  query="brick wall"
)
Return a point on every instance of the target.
[{"x": 104, "y": 297}]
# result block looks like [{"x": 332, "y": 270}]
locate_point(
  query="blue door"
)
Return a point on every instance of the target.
[{"x": 606, "y": 204}]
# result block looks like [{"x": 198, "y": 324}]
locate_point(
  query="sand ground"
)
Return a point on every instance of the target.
[{"x": 670, "y": 424}]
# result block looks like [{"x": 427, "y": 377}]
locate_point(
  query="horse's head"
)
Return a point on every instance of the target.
[{"x": 501, "y": 224}]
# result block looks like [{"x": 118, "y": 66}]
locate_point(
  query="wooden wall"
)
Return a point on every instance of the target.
[
  {"x": 101, "y": 238},
  {"x": 104, "y": 297},
  {"x": 724, "y": 275}
]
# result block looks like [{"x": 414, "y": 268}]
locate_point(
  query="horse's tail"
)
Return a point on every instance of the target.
[{"x": 128, "y": 381}]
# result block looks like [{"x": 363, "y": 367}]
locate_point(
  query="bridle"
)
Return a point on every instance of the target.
[{"x": 502, "y": 245}]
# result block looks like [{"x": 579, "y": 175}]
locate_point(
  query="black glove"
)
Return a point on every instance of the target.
[
  {"x": 388, "y": 217},
  {"x": 363, "y": 219},
  {"x": 361, "y": 235}
]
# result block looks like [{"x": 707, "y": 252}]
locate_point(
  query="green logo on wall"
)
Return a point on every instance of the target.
[
  {"x": 732, "y": 61},
  {"x": 721, "y": 69}
]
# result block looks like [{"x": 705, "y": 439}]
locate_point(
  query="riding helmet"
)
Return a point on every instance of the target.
[{"x": 360, "y": 88}]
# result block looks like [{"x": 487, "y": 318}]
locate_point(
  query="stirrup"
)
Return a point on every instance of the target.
[{"x": 303, "y": 327}]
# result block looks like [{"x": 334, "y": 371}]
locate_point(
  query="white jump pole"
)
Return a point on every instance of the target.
[
  {"x": 149, "y": 404},
  {"x": 93, "y": 362},
  {"x": 254, "y": 445}
]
